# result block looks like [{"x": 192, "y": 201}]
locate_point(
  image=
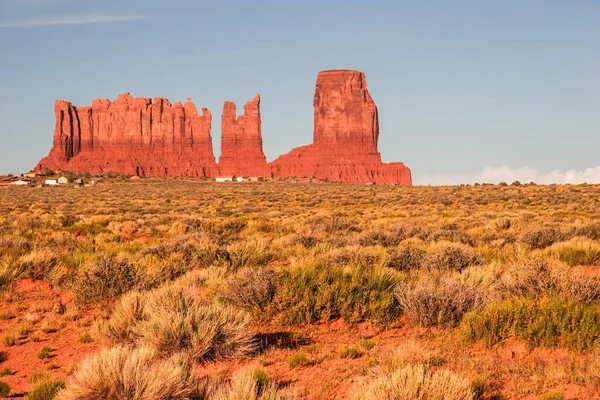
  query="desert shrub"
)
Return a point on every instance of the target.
[
  {"x": 85, "y": 338},
  {"x": 68, "y": 220},
  {"x": 251, "y": 289},
  {"x": 45, "y": 389},
  {"x": 407, "y": 256},
  {"x": 9, "y": 273},
  {"x": 44, "y": 353},
  {"x": 349, "y": 352},
  {"x": 590, "y": 231},
  {"x": 366, "y": 344},
  {"x": 88, "y": 228},
  {"x": 37, "y": 263},
  {"x": 577, "y": 251},
  {"x": 173, "y": 320},
  {"x": 4, "y": 389},
  {"x": 197, "y": 250},
  {"x": 450, "y": 233},
  {"x": 128, "y": 312},
  {"x": 415, "y": 382},
  {"x": 250, "y": 253},
  {"x": 442, "y": 302},
  {"x": 502, "y": 224},
  {"x": 357, "y": 256},
  {"x": 305, "y": 241},
  {"x": 105, "y": 279},
  {"x": 314, "y": 292},
  {"x": 551, "y": 396},
  {"x": 539, "y": 237},
  {"x": 478, "y": 386},
  {"x": 378, "y": 237},
  {"x": 158, "y": 271},
  {"x": 10, "y": 339},
  {"x": 547, "y": 322},
  {"x": 451, "y": 256},
  {"x": 538, "y": 277},
  {"x": 124, "y": 373},
  {"x": 298, "y": 360}
]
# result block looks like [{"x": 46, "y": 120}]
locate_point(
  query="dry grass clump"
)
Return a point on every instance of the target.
[
  {"x": 254, "y": 385},
  {"x": 174, "y": 319},
  {"x": 135, "y": 374},
  {"x": 577, "y": 251},
  {"x": 38, "y": 263},
  {"x": 437, "y": 302},
  {"x": 9, "y": 273},
  {"x": 415, "y": 382},
  {"x": 251, "y": 289}
]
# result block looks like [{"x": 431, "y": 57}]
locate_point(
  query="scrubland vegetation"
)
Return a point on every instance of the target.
[{"x": 188, "y": 290}]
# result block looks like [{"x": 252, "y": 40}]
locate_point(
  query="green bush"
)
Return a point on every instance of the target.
[
  {"x": 298, "y": 360},
  {"x": 45, "y": 389},
  {"x": 4, "y": 389},
  {"x": 312, "y": 293},
  {"x": 349, "y": 352},
  {"x": 547, "y": 322},
  {"x": 44, "y": 353}
]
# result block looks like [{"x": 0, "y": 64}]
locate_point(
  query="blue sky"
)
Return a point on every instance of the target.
[{"x": 467, "y": 90}]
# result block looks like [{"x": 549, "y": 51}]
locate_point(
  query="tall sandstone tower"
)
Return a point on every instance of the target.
[{"x": 346, "y": 132}]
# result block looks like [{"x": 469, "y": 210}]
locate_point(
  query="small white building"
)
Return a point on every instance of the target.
[
  {"x": 63, "y": 180},
  {"x": 20, "y": 183},
  {"x": 51, "y": 182},
  {"x": 224, "y": 179}
]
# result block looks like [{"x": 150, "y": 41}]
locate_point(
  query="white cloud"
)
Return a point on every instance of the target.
[
  {"x": 506, "y": 174},
  {"x": 69, "y": 20}
]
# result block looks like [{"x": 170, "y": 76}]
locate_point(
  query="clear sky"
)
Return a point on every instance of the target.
[{"x": 467, "y": 90}]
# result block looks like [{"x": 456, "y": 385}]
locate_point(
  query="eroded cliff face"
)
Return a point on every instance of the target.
[
  {"x": 241, "y": 141},
  {"x": 144, "y": 137},
  {"x": 134, "y": 136},
  {"x": 346, "y": 132}
]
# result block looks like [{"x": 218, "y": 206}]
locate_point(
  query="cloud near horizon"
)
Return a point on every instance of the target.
[
  {"x": 70, "y": 20},
  {"x": 506, "y": 174}
]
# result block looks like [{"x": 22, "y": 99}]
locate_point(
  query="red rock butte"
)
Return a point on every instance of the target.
[
  {"x": 138, "y": 136},
  {"x": 241, "y": 141},
  {"x": 346, "y": 133}
]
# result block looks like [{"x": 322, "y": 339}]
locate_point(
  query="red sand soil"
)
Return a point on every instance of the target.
[
  {"x": 508, "y": 367},
  {"x": 35, "y": 297}
]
